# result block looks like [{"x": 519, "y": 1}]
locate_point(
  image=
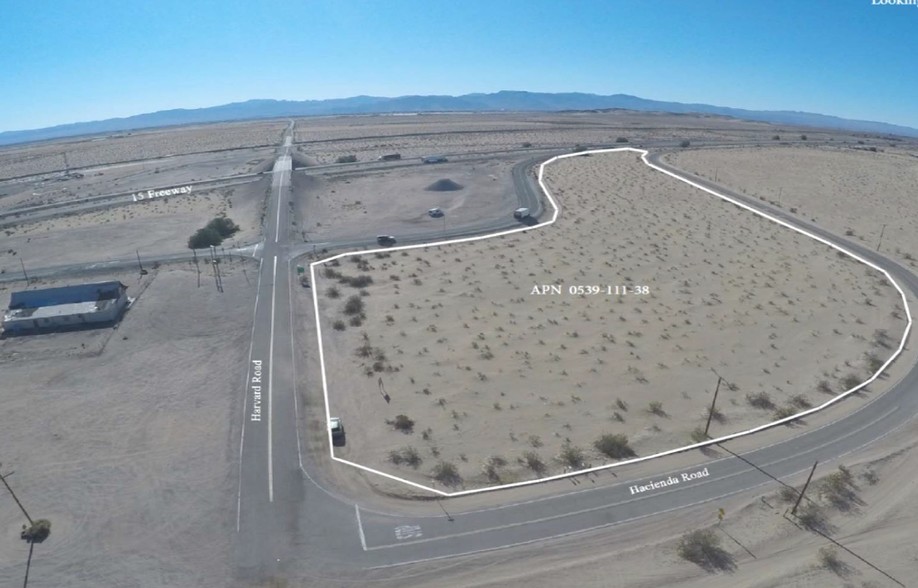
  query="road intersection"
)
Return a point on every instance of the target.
[{"x": 285, "y": 516}]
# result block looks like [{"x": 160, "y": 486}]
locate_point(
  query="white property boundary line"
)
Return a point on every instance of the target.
[{"x": 554, "y": 217}]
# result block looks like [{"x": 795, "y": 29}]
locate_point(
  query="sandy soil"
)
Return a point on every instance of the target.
[
  {"x": 850, "y": 192},
  {"x": 81, "y": 153},
  {"x": 127, "y": 444},
  {"x": 358, "y": 205},
  {"x": 485, "y": 368},
  {"x": 877, "y": 523},
  {"x": 160, "y": 226}
]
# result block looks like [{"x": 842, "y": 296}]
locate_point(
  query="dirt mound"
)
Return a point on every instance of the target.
[{"x": 444, "y": 185}]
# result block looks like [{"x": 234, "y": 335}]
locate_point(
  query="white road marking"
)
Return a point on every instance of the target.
[
  {"x": 270, "y": 379},
  {"x": 363, "y": 538}
]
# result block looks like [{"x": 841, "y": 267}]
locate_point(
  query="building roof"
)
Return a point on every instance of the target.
[{"x": 66, "y": 295}]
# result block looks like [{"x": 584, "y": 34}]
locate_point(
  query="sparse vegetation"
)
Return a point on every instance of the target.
[
  {"x": 402, "y": 423},
  {"x": 532, "y": 461},
  {"x": 447, "y": 474},
  {"x": 406, "y": 455},
  {"x": 702, "y": 548},
  {"x": 614, "y": 446},
  {"x": 571, "y": 456},
  {"x": 760, "y": 400},
  {"x": 354, "y": 305}
]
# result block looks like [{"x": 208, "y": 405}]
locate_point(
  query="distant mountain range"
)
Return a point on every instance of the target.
[{"x": 496, "y": 102}]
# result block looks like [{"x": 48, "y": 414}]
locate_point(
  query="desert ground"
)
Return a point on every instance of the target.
[
  {"x": 851, "y": 191},
  {"x": 134, "y": 460},
  {"x": 90, "y": 152},
  {"x": 124, "y": 438},
  {"x": 364, "y": 204},
  {"x": 503, "y": 385},
  {"x": 157, "y": 226}
]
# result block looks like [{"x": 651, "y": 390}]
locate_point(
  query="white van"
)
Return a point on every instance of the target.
[{"x": 521, "y": 213}]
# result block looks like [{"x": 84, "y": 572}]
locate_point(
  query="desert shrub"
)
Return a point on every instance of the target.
[
  {"x": 824, "y": 387},
  {"x": 492, "y": 467},
  {"x": 621, "y": 140},
  {"x": 800, "y": 401},
  {"x": 776, "y": 138},
  {"x": 697, "y": 435},
  {"x": 339, "y": 325},
  {"x": 621, "y": 404},
  {"x": 870, "y": 477},
  {"x": 850, "y": 381},
  {"x": 224, "y": 226},
  {"x": 333, "y": 292},
  {"x": 656, "y": 407},
  {"x": 447, "y": 474},
  {"x": 702, "y": 547},
  {"x": 37, "y": 532},
  {"x": 354, "y": 305},
  {"x": 874, "y": 363},
  {"x": 406, "y": 455},
  {"x": 614, "y": 445},
  {"x": 811, "y": 516},
  {"x": 783, "y": 412},
  {"x": 402, "y": 423},
  {"x": 760, "y": 400},
  {"x": 357, "y": 281},
  {"x": 346, "y": 159},
  {"x": 685, "y": 143},
  {"x": 837, "y": 488},
  {"x": 532, "y": 461},
  {"x": 803, "y": 137},
  {"x": 571, "y": 456},
  {"x": 203, "y": 238}
]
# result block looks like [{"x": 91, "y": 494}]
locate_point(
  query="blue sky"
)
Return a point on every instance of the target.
[{"x": 68, "y": 61}]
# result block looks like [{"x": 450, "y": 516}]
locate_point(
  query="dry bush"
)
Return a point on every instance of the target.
[
  {"x": 702, "y": 547},
  {"x": 614, "y": 446}
]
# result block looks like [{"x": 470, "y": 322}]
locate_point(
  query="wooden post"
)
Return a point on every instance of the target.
[{"x": 802, "y": 492}]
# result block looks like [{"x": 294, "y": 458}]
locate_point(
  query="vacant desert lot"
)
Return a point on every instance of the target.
[
  {"x": 506, "y": 385},
  {"x": 155, "y": 226},
  {"x": 850, "y": 192},
  {"x": 124, "y": 438},
  {"x": 361, "y": 205},
  {"x": 40, "y": 158}
]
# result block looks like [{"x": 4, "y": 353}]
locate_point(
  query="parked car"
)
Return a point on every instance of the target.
[
  {"x": 385, "y": 240},
  {"x": 521, "y": 213},
  {"x": 434, "y": 159},
  {"x": 435, "y": 212},
  {"x": 337, "y": 429}
]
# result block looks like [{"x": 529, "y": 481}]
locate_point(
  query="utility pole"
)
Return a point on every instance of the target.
[
  {"x": 711, "y": 410},
  {"x": 802, "y": 492},
  {"x": 22, "y": 263},
  {"x": 883, "y": 230},
  {"x": 143, "y": 272}
]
